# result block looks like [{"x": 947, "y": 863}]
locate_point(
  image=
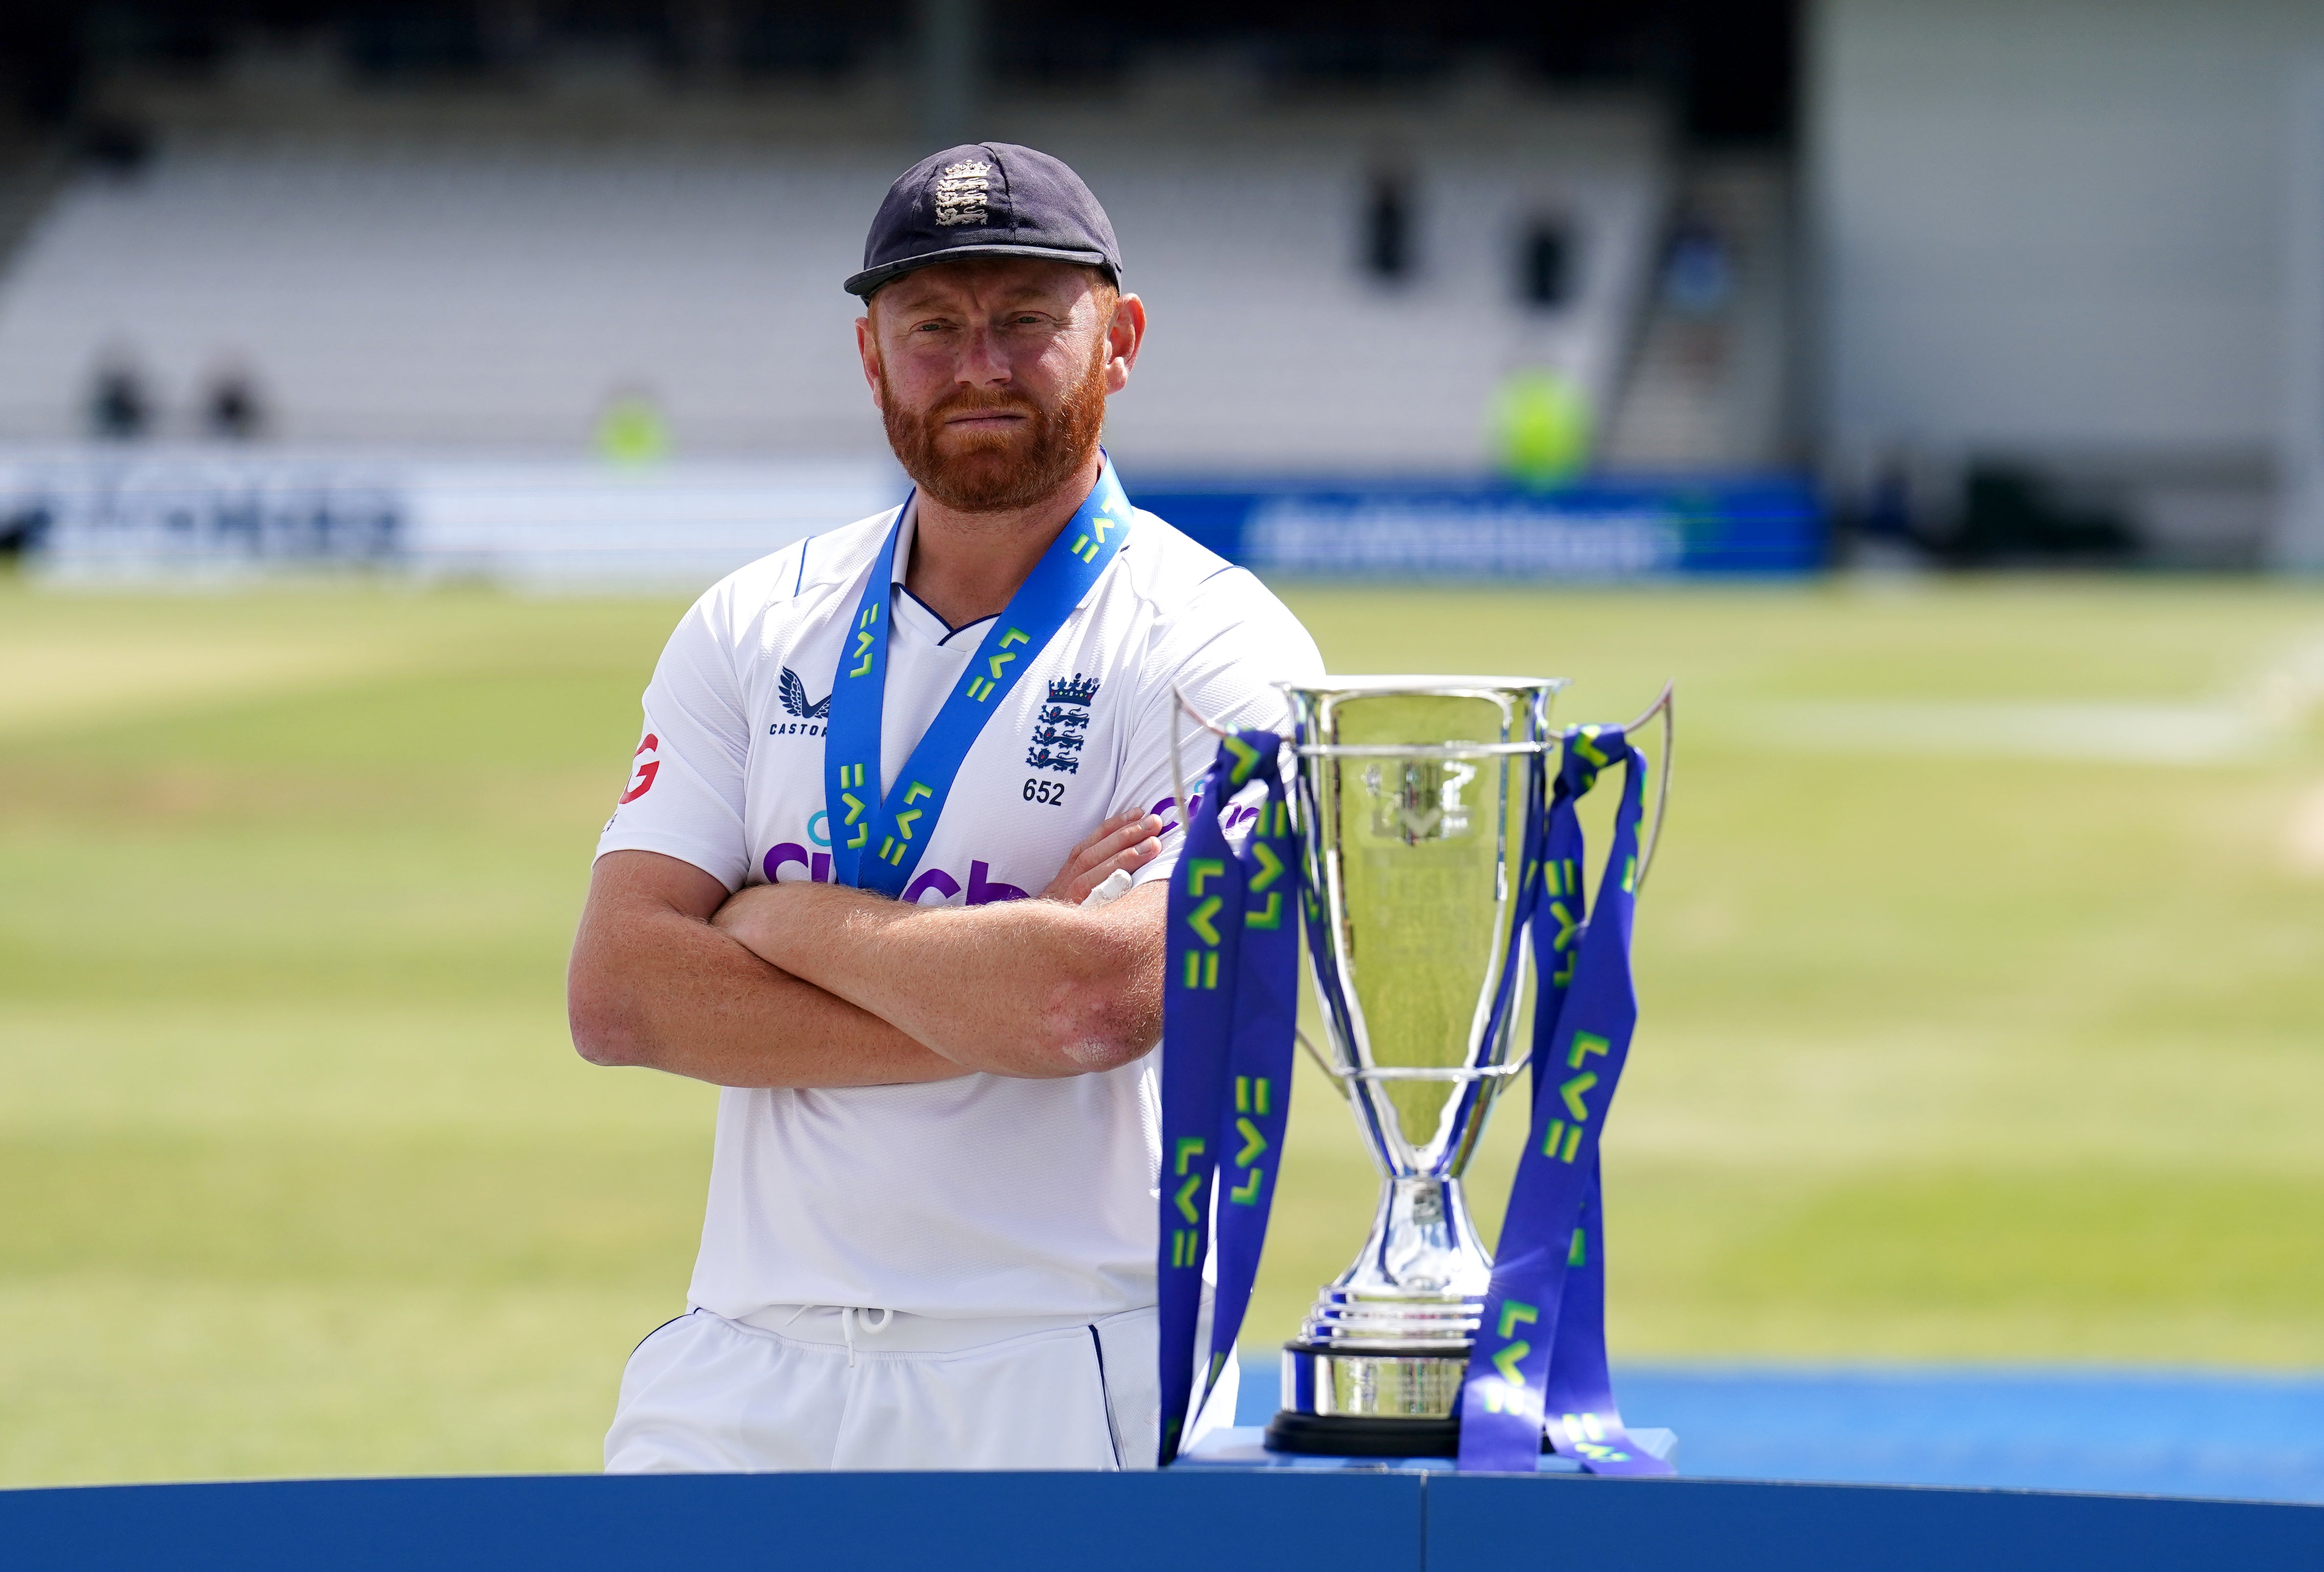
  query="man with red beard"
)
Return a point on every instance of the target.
[{"x": 930, "y": 1240}]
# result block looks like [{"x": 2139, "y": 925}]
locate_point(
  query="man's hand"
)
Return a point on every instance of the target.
[{"x": 1127, "y": 840}]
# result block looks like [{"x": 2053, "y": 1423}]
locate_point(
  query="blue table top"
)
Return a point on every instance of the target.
[{"x": 2238, "y": 1436}]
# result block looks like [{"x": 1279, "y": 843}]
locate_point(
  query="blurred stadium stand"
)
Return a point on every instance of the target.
[
  {"x": 364, "y": 252},
  {"x": 2032, "y": 282},
  {"x": 493, "y": 288},
  {"x": 2081, "y": 245}
]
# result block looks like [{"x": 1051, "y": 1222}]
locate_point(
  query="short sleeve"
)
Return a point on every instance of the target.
[
  {"x": 684, "y": 796},
  {"x": 1226, "y": 651}
]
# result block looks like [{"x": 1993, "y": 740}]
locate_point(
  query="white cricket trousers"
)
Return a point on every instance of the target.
[{"x": 815, "y": 1388}]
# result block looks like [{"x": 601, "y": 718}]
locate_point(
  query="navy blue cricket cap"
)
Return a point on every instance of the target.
[{"x": 986, "y": 198}]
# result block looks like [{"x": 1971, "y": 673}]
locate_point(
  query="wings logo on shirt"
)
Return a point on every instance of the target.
[
  {"x": 793, "y": 694},
  {"x": 1062, "y": 726}
]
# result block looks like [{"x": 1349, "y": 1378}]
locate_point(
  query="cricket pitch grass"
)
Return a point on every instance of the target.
[{"x": 1982, "y": 979}]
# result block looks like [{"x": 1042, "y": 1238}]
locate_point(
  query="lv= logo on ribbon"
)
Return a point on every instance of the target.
[
  {"x": 1230, "y": 999},
  {"x": 1539, "y": 1368}
]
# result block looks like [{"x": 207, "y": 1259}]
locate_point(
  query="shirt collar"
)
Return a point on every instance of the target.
[{"x": 898, "y": 569}]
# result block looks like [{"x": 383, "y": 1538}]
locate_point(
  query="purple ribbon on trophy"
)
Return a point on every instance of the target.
[
  {"x": 1229, "y": 1008},
  {"x": 1538, "y": 1365},
  {"x": 1427, "y": 870}
]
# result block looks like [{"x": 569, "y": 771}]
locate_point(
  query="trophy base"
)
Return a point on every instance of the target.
[
  {"x": 1328, "y": 1435},
  {"x": 1377, "y": 1369},
  {"x": 1370, "y": 1401}
]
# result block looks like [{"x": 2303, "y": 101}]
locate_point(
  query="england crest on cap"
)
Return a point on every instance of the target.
[{"x": 986, "y": 198}]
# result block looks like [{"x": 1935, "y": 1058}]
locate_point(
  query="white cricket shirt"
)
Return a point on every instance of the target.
[{"x": 982, "y": 1196}]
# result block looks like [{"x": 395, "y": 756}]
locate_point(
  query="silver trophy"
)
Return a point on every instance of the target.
[{"x": 1413, "y": 798}]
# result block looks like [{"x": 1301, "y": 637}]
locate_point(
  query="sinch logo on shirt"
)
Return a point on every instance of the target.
[
  {"x": 1063, "y": 725},
  {"x": 810, "y": 716}
]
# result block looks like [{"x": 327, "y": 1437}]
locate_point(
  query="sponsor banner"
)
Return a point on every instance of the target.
[
  {"x": 1601, "y": 529},
  {"x": 136, "y": 512},
  {"x": 145, "y": 513},
  {"x": 156, "y": 513}
]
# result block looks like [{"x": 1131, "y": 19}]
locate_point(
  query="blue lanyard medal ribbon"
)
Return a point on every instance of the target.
[
  {"x": 876, "y": 841},
  {"x": 1539, "y": 1363},
  {"x": 1230, "y": 1000}
]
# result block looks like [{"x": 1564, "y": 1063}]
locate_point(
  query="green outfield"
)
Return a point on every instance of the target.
[{"x": 1982, "y": 981}]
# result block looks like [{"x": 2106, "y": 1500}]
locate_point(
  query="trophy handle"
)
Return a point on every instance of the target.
[
  {"x": 1665, "y": 705},
  {"x": 1338, "y": 1083},
  {"x": 1177, "y": 772}
]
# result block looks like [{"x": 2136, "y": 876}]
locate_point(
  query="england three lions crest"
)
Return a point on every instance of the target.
[
  {"x": 1063, "y": 725},
  {"x": 960, "y": 192}
]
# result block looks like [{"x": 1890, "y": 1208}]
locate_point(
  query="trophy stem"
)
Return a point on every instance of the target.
[
  {"x": 1420, "y": 1283},
  {"x": 1379, "y": 1360},
  {"x": 1421, "y": 1256}
]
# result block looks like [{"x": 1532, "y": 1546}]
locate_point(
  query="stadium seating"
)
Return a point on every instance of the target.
[{"x": 498, "y": 293}]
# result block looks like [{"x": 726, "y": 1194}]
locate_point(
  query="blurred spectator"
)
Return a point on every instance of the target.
[
  {"x": 1388, "y": 241},
  {"x": 1888, "y": 513},
  {"x": 1542, "y": 427},
  {"x": 120, "y": 407},
  {"x": 1698, "y": 275},
  {"x": 231, "y": 409},
  {"x": 630, "y": 429},
  {"x": 21, "y": 531},
  {"x": 1545, "y": 264}
]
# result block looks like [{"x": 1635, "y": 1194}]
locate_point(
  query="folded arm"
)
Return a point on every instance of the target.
[
  {"x": 1032, "y": 989},
  {"x": 655, "y": 981}
]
